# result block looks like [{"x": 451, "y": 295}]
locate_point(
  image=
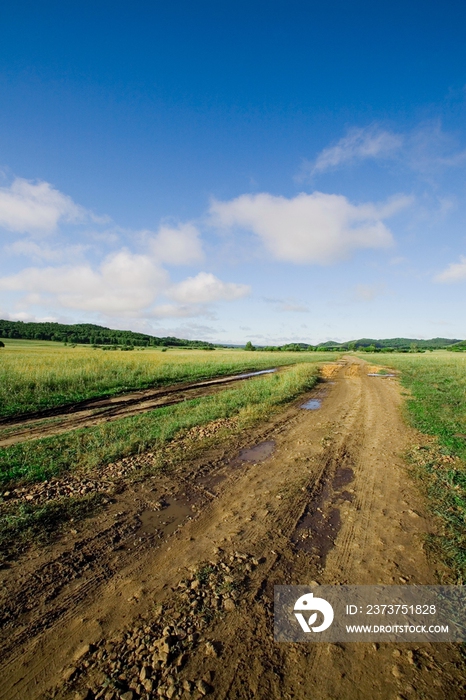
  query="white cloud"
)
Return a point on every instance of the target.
[
  {"x": 455, "y": 272},
  {"x": 36, "y": 207},
  {"x": 179, "y": 245},
  {"x": 40, "y": 252},
  {"x": 204, "y": 288},
  {"x": 358, "y": 144},
  {"x": 310, "y": 228},
  {"x": 123, "y": 284}
]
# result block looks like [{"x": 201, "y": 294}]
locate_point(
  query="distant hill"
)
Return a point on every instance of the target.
[
  {"x": 395, "y": 343},
  {"x": 88, "y": 333}
]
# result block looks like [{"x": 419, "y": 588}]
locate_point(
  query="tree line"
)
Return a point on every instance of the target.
[{"x": 90, "y": 334}]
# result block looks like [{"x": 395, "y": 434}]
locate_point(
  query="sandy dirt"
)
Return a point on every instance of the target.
[{"x": 168, "y": 592}]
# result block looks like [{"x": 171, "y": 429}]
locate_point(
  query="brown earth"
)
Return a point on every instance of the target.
[{"x": 168, "y": 592}]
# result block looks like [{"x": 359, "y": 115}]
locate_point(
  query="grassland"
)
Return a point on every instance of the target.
[
  {"x": 436, "y": 405},
  {"x": 41, "y": 459},
  {"x": 38, "y": 375}
]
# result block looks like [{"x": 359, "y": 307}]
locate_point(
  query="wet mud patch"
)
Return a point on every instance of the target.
[
  {"x": 320, "y": 523},
  {"x": 164, "y": 522},
  {"x": 255, "y": 454},
  {"x": 312, "y": 404}
]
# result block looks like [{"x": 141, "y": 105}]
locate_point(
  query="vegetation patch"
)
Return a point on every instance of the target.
[
  {"x": 35, "y": 376},
  {"x": 88, "y": 448}
]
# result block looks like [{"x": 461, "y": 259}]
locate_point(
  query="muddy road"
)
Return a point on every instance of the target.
[{"x": 168, "y": 592}]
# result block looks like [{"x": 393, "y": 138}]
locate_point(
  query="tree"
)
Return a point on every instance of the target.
[{"x": 249, "y": 346}]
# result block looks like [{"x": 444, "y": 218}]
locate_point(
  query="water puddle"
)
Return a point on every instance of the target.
[
  {"x": 257, "y": 453},
  {"x": 382, "y": 376},
  {"x": 164, "y": 522},
  {"x": 255, "y": 374},
  {"x": 312, "y": 404},
  {"x": 320, "y": 524}
]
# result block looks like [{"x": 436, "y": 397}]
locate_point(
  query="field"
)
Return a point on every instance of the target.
[
  {"x": 39, "y": 375},
  {"x": 139, "y": 549}
]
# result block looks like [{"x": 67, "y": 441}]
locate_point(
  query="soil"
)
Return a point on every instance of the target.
[{"x": 168, "y": 592}]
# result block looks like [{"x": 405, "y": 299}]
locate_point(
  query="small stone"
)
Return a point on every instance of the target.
[
  {"x": 396, "y": 652},
  {"x": 145, "y": 673},
  {"x": 203, "y": 687},
  {"x": 68, "y": 673},
  {"x": 229, "y": 604},
  {"x": 82, "y": 651},
  {"x": 210, "y": 649},
  {"x": 397, "y": 672},
  {"x": 170, "y": 692},
  {"x": 129, "y": 695},
  {"x": 188, "y": 686},
  {"x": 148, "y": 684}
]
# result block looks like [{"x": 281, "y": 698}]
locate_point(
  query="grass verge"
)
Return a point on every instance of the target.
[{"x": 88, "y": 448}]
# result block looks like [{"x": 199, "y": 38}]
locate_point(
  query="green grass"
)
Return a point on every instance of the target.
[
  {"x": 88, "y": 448},
  {"x": 36, "y": 375},
  {"x": 436, "y": 405},
  {"x": 437, "y": 385}
]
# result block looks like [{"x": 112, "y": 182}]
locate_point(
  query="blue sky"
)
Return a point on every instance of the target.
[{"x": 273, "y": 171}]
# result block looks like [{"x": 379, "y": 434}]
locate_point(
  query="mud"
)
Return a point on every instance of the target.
[{"x": 169, "y": 591}]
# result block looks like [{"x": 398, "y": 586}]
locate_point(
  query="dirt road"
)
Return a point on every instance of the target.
[{"x": 169, "y": 592}]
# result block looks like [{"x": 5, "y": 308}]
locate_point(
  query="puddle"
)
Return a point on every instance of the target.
[
  {"x": 312, "y": 404},
  {"x": 164, "y": 522},
  {"x": 319, "y": 526},
  {"x": 255, "y": 374},
  {"x": 376, "y": 374},
  {"x": 254, "y": 454}
]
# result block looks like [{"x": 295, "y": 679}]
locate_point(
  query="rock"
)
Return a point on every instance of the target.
[
  {"x": 129, "y": 695},
  {"x": 171, "y": 691},
  {"x": 397, "y": 672},
  {"x": 229, "y": 604},
  {"x": 188, "y": 686},
  {"x": 210, "y": 649},
  {"x": 68, "y": 673},
  {"x": 148, "y": 684},
  {"x": 82, "y": 651},
  {"x": 203, "y": 687},
  {"x": 145, "y": 673},
  {"x": 195, "y": 584}
]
